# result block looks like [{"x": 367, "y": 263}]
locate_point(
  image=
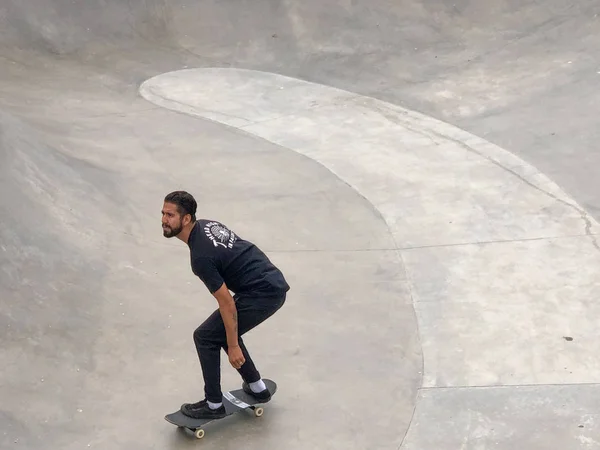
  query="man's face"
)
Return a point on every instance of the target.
[{"x": 171, "y": 220}]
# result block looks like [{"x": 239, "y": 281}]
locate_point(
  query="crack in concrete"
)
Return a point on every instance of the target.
[
  {"x": 419, "y": 247},
  {"x": 501, "y": 241},
  {"x": 393, "y": 117},
  {"x": 582, "y": 213},
  {"x": 416, "y": 319},
  {"x": 509, "y": 386}
]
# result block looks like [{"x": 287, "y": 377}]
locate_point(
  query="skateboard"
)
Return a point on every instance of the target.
[{"x": 234, "y": 401}]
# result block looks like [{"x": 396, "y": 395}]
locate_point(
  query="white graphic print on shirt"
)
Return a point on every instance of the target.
[{"x": 220, "y": 235}]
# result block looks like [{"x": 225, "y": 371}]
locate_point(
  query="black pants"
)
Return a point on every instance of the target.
[{"x": 211, "y": 336}]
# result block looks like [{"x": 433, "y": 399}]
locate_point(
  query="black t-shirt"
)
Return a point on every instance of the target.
[{"x": 218, "y": 256}]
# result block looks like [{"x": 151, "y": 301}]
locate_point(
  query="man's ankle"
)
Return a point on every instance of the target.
[
  {"x": 212, "y": 405},
  {"x": 257, "y": 386}
]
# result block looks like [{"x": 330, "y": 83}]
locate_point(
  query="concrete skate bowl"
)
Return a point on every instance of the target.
[{"x": 424, "y": 173}]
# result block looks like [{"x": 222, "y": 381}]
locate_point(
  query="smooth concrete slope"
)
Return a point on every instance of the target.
[
  {"x": 50, "y": 262},
  {"x": 98, "y": 309},
  {"x": 499, "y": 263},
  {"x": 522, "y": 75},
  {"x": 503, "y": 266}
]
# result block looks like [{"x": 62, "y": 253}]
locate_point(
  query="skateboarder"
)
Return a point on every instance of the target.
[{"x": 224, "y": 261}]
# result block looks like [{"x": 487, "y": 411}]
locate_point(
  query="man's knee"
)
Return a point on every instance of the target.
[
  {"x": 201, "y": 336},
  {"x": 206, "y": 336}
]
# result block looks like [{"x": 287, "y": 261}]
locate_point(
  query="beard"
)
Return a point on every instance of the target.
[{"x": 169, "y": 232}]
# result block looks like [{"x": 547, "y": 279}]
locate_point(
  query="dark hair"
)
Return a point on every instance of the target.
[{"x": 185, "y": 202}]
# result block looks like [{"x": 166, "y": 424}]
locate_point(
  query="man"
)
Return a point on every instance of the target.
[{"x": 224, "y": 261}]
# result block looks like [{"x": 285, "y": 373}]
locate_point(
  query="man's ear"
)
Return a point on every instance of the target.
[{"x": 187, "y": 219}]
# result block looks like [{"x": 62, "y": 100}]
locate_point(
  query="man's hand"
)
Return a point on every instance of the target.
[
  {"x": 229, "y": 315},
  {"x": 236, "y": 357}
]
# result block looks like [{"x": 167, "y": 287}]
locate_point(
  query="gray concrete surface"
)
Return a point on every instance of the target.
[{"x": 424, "y": 173}]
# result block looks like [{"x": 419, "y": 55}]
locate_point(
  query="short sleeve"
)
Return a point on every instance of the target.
[{"x": 205, "y": 269}]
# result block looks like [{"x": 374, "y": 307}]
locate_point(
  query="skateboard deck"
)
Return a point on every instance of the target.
[{"x": 234, "y": 401}]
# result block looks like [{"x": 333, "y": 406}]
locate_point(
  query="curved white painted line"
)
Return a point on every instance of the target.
[
  {"x": 434, "y": 183},
  {"x": 484, "y": 311}
]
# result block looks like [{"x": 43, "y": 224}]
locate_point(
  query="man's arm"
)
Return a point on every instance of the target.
[
  {"x": 229, "y": 314},
  {"x": 206, "y": 270}
]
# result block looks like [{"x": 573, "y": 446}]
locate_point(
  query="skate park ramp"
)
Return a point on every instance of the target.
[{"x": 424, "y": 173}]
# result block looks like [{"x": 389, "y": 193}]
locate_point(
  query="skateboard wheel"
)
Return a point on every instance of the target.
[
  {"x": 258, "y": 412},
  {"x": 199, "y": 433}
]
